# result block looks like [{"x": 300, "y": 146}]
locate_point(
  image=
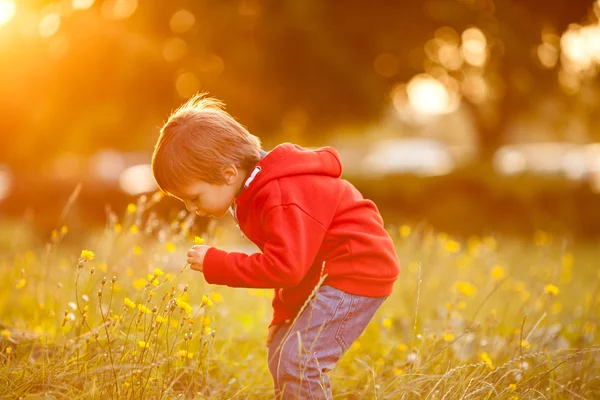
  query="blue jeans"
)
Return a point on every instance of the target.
[{"x": 301, "y": 355}]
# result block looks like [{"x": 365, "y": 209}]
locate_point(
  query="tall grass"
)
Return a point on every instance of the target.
[{"x": 117, "y": 314}]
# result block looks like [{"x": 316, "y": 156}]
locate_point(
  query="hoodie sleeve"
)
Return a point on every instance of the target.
[{"x": 293, "y": 241}]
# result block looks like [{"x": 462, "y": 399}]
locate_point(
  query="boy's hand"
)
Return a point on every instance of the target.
[{"x": 195, "y": 257}]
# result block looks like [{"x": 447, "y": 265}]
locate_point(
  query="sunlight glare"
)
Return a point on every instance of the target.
[
  {"x": 49, "y": 25},
  {"x": 428, "y": 95},
  {"x": 118, "y": 9},
  {"x": 82, "y": 4},
  {"x": 137, "y": 180},
  {"x": 7, "y": 11},
  {"x": 474, "y": 47}
]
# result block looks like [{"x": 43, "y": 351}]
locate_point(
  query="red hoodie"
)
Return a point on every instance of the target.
[{"x": 299, "y": 213}]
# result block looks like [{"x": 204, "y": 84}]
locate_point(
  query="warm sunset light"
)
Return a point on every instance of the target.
[
  {"x": 49, "y": 25},
  {"x": 7, "y": 11},
  {"x": 253, "y": 199},
  {"x": 474, "y": 47},
  {"x": 428, "y": 95},
  {"x": 82, "y": 4}
]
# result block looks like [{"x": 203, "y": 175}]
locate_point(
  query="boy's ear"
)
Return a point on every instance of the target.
[{"x": 230, "y": 174}]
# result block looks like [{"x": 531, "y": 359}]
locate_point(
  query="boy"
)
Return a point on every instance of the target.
[{"x": 308, "y": 223}]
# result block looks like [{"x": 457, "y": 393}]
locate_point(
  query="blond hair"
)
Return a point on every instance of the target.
[{"x": 198, "y": 141}]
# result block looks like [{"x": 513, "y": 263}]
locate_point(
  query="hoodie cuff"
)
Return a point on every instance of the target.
[{"x": 214, "y": 266}]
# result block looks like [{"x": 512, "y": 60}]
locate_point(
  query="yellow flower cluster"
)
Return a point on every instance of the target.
[
  {"x": 184, "y": 306},
  {"x": 206, "y": 301},
  {"x": 466, "y": 288},
  {"x": 129, "y": 303},
  {"x": 185, "y": 354},
  {"x": 87, "y": 255}
]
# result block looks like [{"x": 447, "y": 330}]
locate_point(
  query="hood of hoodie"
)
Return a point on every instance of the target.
[{"x": 290, "y": 160}]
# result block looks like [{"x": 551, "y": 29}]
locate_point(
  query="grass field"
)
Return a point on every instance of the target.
[{"x": 116, "y": 314}]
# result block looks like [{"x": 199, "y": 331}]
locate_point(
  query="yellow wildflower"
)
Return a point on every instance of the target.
[
  {"x": 64, "y": 229},
  {"x": 8, "y": 351},
  {"x": 402, "y": 347},
  {"x": 498, "y": 273},
  {"x": 87, "y": 255},
  {"x": 170, "y": 247},
  {"x": 151, "y": 294},
  {"x": 158, "y": 272},
  {"x": 217, "y": 298},
  {"x": 551, "y": 289},
  {"x": 208, "y": 330},
  {"x": 405, "y": 231},
  {"x": 206, "y": 301},
  {"x": 131, "y": 208},
  {"x": 134, "y": 229},
  {"x": 465, "y": 288},
  {"x": 5, "y": 333},
  {"x": 139, "y": 283},
  {"x": 126, "y": 385},
  {"x": 137, "y": 250},
  {"x": 118, "y": 228},
  {"x": 448, "y": 337},
  {"x": 398, "y": 371},
  {"x": 143, "y": 345},
  {"x": 21, "y": 283},
  {"x": 525, "y": 344},
  {"x": 486, "y": 358},
  {"x": 129, "y": 303},
  {"x": 452, "y": 246},
  {"x": 387, "y": 323},
  {"x": 185, "y": 354},
  {"x": 512, "y": 387},
  {"x": 198, "y": 240},
  {"x": 160, "y": 319},
  {"x": 142, "y": 308},
  {"x": 167, "y": 277},
  {"x": 184, "y": 306}
]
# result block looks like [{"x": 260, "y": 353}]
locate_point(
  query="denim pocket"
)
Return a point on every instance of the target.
[{"x": 359, "y": 311}]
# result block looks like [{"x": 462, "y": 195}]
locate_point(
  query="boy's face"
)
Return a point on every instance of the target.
[{"x": 211, "y": 200}]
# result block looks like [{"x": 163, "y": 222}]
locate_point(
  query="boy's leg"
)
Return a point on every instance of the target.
[{"x": 301, "y": 355}]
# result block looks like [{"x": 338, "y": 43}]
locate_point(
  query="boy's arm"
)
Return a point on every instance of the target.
[{"x": 294, "y": 239}]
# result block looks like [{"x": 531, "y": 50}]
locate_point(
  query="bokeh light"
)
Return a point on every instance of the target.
[
  {"x": 428, "y": 95},
  {"x": 118, "y": 9},
  {"x": 187, "y": 84},
  {"x": 137, "y": 179},
  {"x": 182, "y": 21},
  {"x": 7, "y": 11},
  {"x": 49, "y": 25},
  {"x": 474, "y": 47},
  {"x": 175, "y": 49},
  {"x": 82, "y": 4}
]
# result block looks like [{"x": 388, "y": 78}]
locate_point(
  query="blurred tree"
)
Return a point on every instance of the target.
[{"x": 104, "y": 79}]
